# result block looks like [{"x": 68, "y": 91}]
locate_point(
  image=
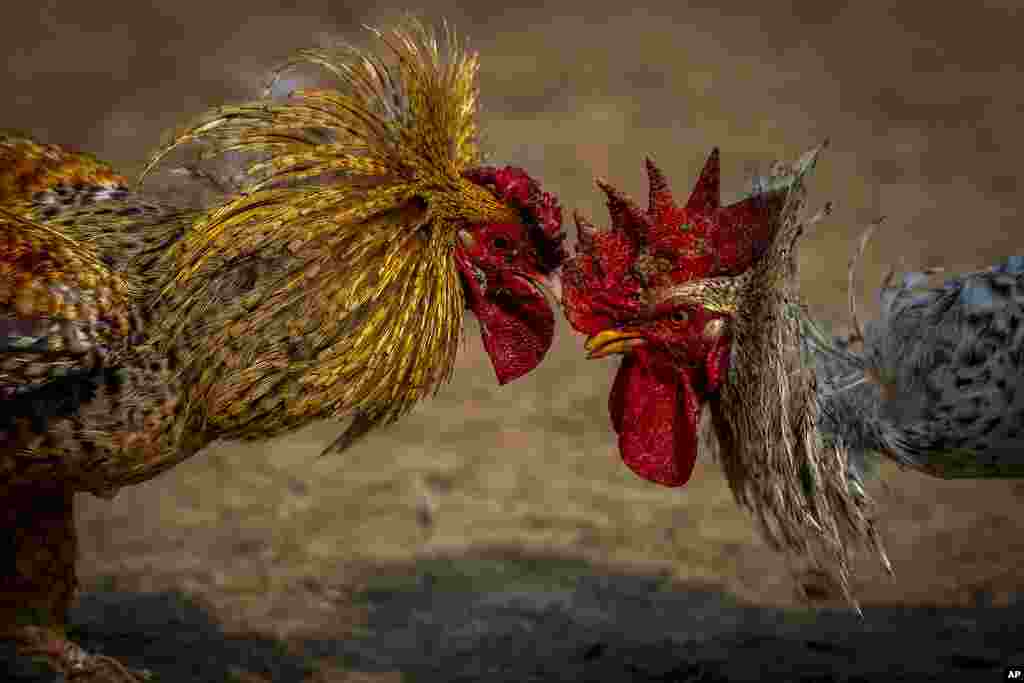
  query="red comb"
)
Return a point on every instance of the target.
[
  {"x": 541, "y": 210},
  {"x": 664, "y": 244}
]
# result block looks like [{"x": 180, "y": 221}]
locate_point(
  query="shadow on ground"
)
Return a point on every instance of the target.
[{"x": 502, "y": 616}]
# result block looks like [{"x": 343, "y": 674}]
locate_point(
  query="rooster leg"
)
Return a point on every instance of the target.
[{"x": 38, "y": 550}]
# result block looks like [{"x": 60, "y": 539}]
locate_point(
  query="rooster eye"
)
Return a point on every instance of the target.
[
  {"x": 680, "y": 316},
  {"x": 500, "y": 243}
]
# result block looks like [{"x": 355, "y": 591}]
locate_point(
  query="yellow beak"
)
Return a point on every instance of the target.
[{"x": 608, "y": 342}]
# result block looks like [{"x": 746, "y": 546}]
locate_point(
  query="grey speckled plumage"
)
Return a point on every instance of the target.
[{"x": 935, "y": 384}]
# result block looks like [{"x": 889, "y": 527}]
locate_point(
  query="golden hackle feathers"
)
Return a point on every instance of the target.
[
  {"x": 354, "y": 199},
  {"x": 407, "y": 120}
]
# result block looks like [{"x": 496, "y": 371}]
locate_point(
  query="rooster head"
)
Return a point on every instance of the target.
[
  {"x": 508, "y": 267},
  {"x": 659, "y": 287}
]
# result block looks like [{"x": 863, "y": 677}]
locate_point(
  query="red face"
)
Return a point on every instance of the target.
[
  {"x": 675, "y": 353},
  {"x": 673, "y": 362},
  {"x": 507, "y": 269}
]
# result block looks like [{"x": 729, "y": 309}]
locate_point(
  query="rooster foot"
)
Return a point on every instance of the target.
[{"x": 77, "y": 665}]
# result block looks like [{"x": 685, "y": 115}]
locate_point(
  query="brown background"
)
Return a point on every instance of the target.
[{"x": 923, "y": 103}]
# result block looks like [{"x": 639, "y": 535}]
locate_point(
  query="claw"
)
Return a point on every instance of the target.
[{"x": 77, "y": 665}]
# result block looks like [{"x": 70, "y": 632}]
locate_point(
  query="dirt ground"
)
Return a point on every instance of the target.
[{"x": 547, "y": 560}]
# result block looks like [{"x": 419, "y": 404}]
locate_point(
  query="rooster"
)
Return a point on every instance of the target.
[
  {"x": 703, "y": 303},
  {"x": 134, "y": 332}
]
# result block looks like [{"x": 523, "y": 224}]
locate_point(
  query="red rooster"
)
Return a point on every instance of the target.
[
  {"x": 705, "y": 304},
  {"x": 626, "y": 288},
  {"x": 702, "y": 302}
]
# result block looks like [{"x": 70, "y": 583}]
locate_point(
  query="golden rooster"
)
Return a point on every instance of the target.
[{"x": 133, "y": 333}]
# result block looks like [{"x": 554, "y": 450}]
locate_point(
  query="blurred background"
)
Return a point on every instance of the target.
[{"x": 922, "y": 102}]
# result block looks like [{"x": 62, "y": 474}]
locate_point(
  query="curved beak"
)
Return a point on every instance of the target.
[
  {"x": 548, "y": 286},
  {"x": 607, "y": 342},
  {"x": 554, "y": 286}
]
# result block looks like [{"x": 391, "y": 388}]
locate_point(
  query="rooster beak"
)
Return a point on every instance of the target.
[
  {"x": 612, "y": 341},
  {"x": 467, "y": 239},
  {"x": 553, "y": 284},
  {"x": 548, "y": 286}
]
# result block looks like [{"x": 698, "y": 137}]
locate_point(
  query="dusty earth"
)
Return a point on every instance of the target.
[{"x": 546, "y": 560}]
